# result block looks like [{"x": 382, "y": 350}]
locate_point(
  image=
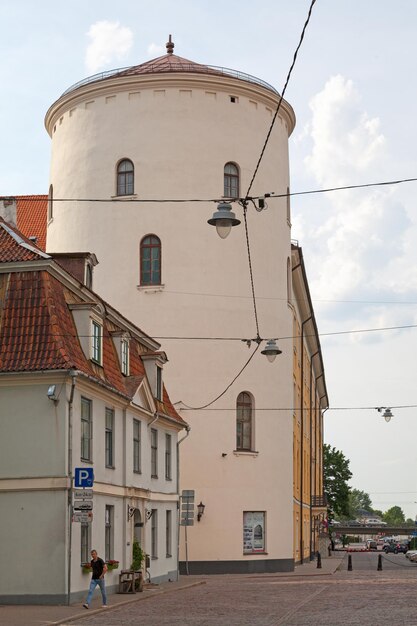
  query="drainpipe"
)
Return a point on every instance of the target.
[
  {"x": 73, "y": 375},
  {"x": 311, "y": 450},
  {"x": 302, "y": 441},
  {"x": 188, "y": 430}
]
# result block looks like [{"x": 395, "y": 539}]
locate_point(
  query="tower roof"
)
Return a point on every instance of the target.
[{"x": 170, "y": 63}]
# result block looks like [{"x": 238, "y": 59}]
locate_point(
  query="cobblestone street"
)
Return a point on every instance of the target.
[{"x": 362, "y": 597}]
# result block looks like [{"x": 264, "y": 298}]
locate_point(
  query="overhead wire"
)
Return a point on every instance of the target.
[
  {"x": 204, "y": 406},
  {"x": 241, "y": 339},
  {"x": 270, "y": 195}
]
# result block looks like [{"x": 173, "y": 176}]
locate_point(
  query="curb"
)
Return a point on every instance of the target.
[{"x": 87, "y": 613}]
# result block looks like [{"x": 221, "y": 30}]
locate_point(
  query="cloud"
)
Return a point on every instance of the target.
[
  {"x": 359, "y": 242},
  {"x": 109, "y": 41}
]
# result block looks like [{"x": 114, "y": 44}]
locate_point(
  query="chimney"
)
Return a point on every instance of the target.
[{"x": 8, "y": 210}]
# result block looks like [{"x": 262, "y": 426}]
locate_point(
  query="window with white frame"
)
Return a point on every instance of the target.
[
  {"x": 244, "y": 416},
  {"x": 154, "y": 453},
  {"x": 125, "y": 178},
  {"x": 154, "y": 534},
  {"x": 168, "y": 457},
  {"x": 168, "y": 533},
  {"x": 231, "y": 180},
  {"x": 86, "y": 429},
  {"x": 85, "y": 542},
  {"x": 137, "y": 456},
  {"x": 109, "y": 438},
  {"x": 124, "y": 347},
  {"x": 109, "y": 532},
  {"x": 96, "y": 342},
  {"x": 253, "y": 532}
]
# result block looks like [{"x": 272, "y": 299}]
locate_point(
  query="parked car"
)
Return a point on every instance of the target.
[
  {"x": 395, "y": 547},
  {"x": 353, "y": 522},
  {"x": 410, "y": 554},
  {"x": 371, "y": 544}
]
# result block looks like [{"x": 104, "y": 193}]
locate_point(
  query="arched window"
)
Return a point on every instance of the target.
[
  {"x": 231, "y": 181},
  {"x": 125, "y": 178},
  {"x": 244, "y": 410},
  {"x": 150, "y": 260}
]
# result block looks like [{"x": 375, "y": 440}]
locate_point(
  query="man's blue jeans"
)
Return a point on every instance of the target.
[{"x": 100, "y": 582}]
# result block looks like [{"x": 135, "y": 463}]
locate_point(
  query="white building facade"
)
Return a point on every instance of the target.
[
  {"x": 76, "y": 393},
  {"x": 174, "y": 130}
]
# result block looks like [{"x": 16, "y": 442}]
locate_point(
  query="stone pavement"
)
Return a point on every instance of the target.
[{"x": 55, "y": 615}]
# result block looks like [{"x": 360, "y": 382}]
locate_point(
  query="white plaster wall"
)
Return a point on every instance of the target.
[
  {"x": 32, "y": 543},
  {"x": 179, "y": 137},
  {"x": 33, "y": 430}
]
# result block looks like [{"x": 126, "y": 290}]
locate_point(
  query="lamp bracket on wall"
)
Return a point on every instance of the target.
[{"x": 148, "y": 514}]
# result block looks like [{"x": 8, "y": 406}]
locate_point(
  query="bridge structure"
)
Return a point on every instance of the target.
[{"x": 344, "y": 529}]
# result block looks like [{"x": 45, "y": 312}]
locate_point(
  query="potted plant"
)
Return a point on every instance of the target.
[
  {"x": 87, "y": 569},
  {"x": 138, "y": 556},
  {"x": 112, "y": 564}
]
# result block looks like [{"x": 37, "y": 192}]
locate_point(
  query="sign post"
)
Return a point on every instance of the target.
[{"x": 82, "y": 508}]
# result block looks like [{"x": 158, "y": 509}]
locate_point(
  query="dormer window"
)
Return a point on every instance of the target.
[
  {"x": 124, "y": 348},
  {"x": 96, "y": 342}
]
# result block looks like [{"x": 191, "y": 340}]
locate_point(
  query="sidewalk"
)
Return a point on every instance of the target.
[
  {"x": 34, "y": 615},
  {"x": 31, "y": 615}
]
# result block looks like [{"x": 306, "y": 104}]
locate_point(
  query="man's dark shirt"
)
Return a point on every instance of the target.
[{"x": 98, "y": 567}]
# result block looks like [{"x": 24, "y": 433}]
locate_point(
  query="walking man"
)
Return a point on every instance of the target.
[{"x": 97, "y": 578}]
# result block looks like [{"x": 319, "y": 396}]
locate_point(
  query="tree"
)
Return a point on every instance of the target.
[
  {"x": 359, "y": 501},
  {"x": 394, "y": 516},
  {"x": 336, "y": 474}
]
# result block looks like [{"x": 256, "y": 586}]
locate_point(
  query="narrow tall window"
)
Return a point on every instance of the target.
[
  {"x": 231, "y": 181},
  {"x": 159, "y": 383},
  {"x": 154, "y": 453},
  {"x": 50, "y": 202},
  {"x": 125, "y": 178},
  {"x": 154, "y": 534},
  {"x": 125, "y": 356},
  {"x": 289, "y": 295},
  {"x": 244, "y": 421},
  {"x": 109, "y": 438},
  {"x": 85, "y": 542},
  {"x": 168, "y": 533},
  {"x": 168, "y": 457},
  {"x": 150, "y": 260},
  {"x": 288, "y": 207},
  {"x": 96, "y": 342},
  {"x": 136, "y": 446},
  {"x": 109, "y": 533},
  {"x": 86, "y": 429}
]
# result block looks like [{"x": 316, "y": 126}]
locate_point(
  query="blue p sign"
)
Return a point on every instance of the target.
[{"x": 83, "y": 477}]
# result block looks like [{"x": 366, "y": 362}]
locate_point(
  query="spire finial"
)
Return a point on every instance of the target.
[{"x": 170, "y": 46}]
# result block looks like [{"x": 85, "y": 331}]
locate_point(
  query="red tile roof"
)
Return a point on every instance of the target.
[
  {"x": 15, "y": 247},
  {"x": 32, "y": 217},
  {"x": 38, "y": 331}
]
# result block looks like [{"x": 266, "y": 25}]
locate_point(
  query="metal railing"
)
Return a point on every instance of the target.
[
  {"x": 319, "y": 501},
  {"x": 153, "y": 68}
]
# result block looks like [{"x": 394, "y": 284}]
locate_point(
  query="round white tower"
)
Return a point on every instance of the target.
[{"x": 170, "y": 129}]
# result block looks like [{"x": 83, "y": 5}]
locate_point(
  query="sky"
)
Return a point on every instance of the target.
[{"x": 353, "y": 89}]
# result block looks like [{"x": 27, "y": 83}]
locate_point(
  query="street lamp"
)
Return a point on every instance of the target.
[
  {"x": 200, "y": 510},
  {"x": 223, "y": 219},
  {"x": 271, "y": 350},
  {"x": 387, "y": 415}
]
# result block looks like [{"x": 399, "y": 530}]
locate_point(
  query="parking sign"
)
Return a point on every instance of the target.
[{"x": 83, "y": 477}]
